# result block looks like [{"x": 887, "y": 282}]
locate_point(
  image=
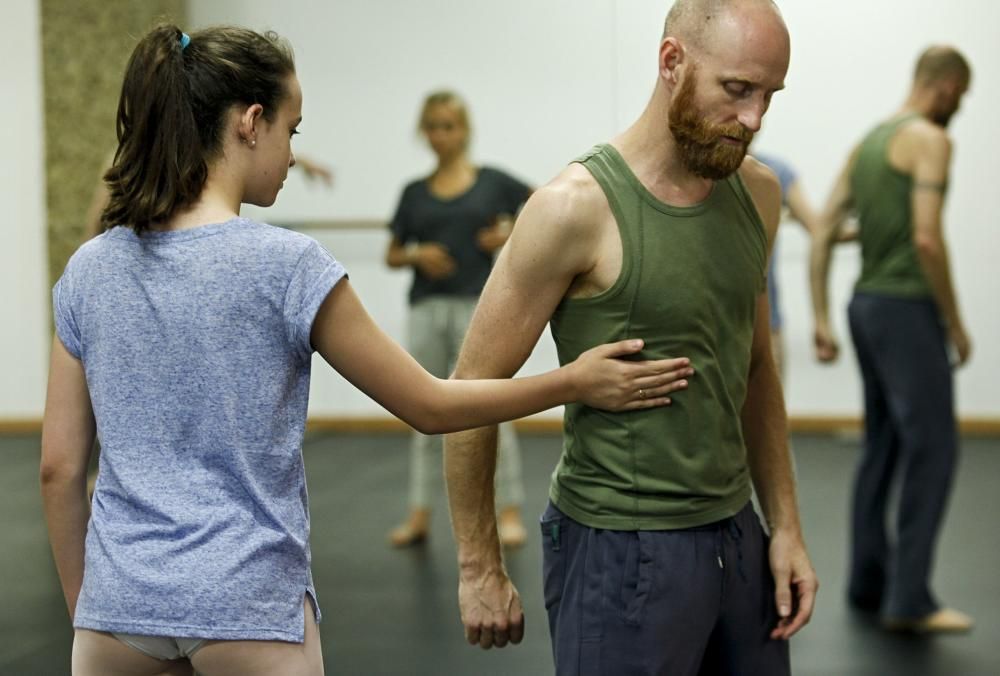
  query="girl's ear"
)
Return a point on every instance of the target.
[{"x": 247, "y": 126}]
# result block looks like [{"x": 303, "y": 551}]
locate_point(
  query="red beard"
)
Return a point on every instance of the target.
[{"x": 699, "y": 143}]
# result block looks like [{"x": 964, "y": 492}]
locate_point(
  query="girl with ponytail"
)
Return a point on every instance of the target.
[{"x": 184, "y": 338}]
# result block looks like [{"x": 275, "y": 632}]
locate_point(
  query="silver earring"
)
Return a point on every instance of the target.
[{"x": 253, "y": 142}]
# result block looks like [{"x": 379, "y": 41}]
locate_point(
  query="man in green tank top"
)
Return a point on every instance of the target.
[
  {"x": 903, "y": 315},
  {"x": 655, "y": 562}
]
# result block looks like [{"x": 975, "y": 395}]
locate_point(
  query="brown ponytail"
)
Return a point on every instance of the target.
[{"x": 172, "y": 114}]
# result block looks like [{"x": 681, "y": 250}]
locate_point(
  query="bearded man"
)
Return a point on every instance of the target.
[{"x": 654, "y": 560}]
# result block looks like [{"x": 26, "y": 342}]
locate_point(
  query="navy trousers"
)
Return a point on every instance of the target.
[
  {"x": 694, "y": 602},
  {"x": 911, "y": 445}
]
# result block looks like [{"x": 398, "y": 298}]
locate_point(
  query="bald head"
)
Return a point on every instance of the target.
[
  {"x": 720, "y": 62},
  {"x": 939, "y": 63},
  {"x": 744, "y": 38},
  {"x": 695, "y": 21}
]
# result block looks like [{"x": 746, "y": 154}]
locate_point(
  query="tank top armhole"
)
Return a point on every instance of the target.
[
  {"x": 745, "y": 200},
  {"x": 890, "y": 129},
  {"x": 597, "y": 163}
]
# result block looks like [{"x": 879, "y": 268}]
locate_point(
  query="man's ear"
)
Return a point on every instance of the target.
[{"x": 672, "y": 54}]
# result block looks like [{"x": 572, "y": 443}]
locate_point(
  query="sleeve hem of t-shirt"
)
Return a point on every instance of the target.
[
  {"x": 63, "y": 330},
  {"x": 321, "y": 288}
]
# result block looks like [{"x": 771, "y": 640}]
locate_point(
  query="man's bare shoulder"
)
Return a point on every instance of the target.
[
  {"x": 570, "y": 201},
  {"x": 757, "y": 175},
  {"x": 923, "y": 135},
  {"x": 765, "y": 189}
]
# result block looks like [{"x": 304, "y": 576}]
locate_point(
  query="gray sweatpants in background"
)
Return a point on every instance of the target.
[{"x": 437, "y": 327}]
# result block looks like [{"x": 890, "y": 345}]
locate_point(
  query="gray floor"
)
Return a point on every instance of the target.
[{"x": 390, "y": 612}]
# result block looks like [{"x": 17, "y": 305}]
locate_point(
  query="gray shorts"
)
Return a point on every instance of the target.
[{"x": 162, "y": 647}]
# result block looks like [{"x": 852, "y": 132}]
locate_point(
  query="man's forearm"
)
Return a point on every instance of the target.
[
  {"x": 765, "y": 431},
  {"x": 401, "y": 256},
  {"x": 836, "y": 212},
  {"x": 469, "y": 468},
  {"x": 819, "y": 271},
  {"x": 934, "y": 262}
]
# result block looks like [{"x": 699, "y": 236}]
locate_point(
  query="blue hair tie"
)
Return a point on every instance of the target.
[{"x": 185, "y": 40}]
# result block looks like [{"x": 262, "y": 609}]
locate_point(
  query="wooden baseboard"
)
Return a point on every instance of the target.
[
  {"x": 825, "y": 424},
  {"x": 20, "y": 426},
  {"x": 970, "y": 427},
  {"x": 979, "y": 427},
  {"x": 385, "y": 425},
  {"x": 380, "y": 425}
]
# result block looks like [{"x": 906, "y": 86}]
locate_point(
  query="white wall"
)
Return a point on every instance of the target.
[
  {"x": 535, "y": 74},
  {"x": 24, "y": 306}
]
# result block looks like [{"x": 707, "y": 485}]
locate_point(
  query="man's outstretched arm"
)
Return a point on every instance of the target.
[
  {"x": 835, "y": 213},
  {"x": 545, "y": 252}
]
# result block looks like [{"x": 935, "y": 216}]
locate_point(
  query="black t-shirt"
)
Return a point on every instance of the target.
[{"x": 454, "y": 223}]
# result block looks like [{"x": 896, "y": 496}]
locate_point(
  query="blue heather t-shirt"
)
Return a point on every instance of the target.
[{"x": 195, "y": 344}]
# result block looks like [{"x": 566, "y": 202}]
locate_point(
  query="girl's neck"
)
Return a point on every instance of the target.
[
  {"x": 217, "y": 203},
  {"x": 207, "y": 209}
]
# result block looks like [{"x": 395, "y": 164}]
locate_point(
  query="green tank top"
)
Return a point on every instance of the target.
[
  {"x": 889, "y": 263},
  {"x": 688, "y": 286}
]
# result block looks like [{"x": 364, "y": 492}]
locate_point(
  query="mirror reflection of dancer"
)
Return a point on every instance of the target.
[
  {"x": 903, "y": 316},
  {"x": 184, "y": 339},
  {"x": 448, "y": 227}
]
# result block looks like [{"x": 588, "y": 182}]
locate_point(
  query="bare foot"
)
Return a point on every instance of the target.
[
  {"x": 943, "y": 621},
  {"x": 413, "y": 531},
  {"x": 511, "y": 528}
]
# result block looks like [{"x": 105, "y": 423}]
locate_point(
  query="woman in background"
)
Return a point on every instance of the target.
[{"x": 448, "y": 227}]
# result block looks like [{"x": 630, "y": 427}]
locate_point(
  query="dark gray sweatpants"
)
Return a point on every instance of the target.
[
  {"x": 910, "y": 438},
  {"x": 695, "y": 602}
]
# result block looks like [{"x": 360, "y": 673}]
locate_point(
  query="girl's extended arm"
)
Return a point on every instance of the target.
[{"x": 350, "y": 341}]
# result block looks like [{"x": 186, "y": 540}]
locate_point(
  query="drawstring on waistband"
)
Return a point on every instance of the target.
[{"x": 736, "y": 533}]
